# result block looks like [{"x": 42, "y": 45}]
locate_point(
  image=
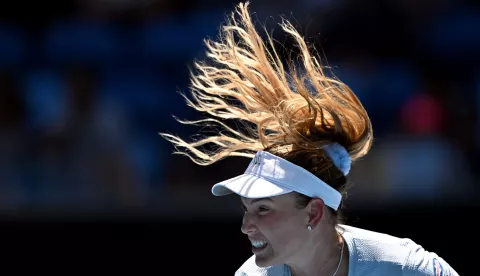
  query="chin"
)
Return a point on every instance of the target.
[{"x": 262, "y": 261}]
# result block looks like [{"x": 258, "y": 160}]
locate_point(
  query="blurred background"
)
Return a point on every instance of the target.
[{"x": 86, "y": 86}]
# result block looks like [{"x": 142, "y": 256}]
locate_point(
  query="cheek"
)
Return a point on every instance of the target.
[{"x": 282, "y": 231}]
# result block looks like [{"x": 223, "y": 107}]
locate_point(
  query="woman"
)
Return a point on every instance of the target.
[{"x": 303, "y": 132}]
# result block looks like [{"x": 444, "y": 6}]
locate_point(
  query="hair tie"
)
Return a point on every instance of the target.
[{"x": 340, "y": 157}]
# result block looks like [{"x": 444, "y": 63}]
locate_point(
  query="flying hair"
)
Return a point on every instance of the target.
[{"x": 281, "y": 110}]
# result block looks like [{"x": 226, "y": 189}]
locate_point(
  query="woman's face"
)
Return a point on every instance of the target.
[{"x": 276, "y": 228}]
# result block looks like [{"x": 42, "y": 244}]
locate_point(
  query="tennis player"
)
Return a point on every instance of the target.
[{"x": 303, "y": 130}]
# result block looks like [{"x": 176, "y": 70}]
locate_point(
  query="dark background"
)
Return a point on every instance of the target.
[{"x": 86, "y": 86}]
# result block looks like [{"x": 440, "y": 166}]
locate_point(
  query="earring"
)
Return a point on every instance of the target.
[{"x": 309, "y": 228}]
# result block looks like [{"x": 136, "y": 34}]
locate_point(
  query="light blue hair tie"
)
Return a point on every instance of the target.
[{"x": 340, "y": 157}]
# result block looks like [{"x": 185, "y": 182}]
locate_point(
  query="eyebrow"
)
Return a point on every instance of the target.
[{"x": 260, "y": 199}]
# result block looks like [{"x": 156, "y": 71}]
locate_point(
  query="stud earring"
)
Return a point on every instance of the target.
[{"x": 309, "y": 228}]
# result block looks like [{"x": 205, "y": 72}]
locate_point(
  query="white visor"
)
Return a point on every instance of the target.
[{"x": 269, "y": 175}]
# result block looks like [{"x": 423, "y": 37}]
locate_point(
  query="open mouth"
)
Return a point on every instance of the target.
[{"x": 258, "y": 246}]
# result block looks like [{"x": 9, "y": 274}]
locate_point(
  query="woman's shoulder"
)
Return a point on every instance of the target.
[
  {"x": 372, "y": 240},
  {"x": 250, "y": 268},
  {"x": 395, "y": 255}
]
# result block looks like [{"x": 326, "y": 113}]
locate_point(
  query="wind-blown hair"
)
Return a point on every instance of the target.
[{"x": 291, "y": 113}]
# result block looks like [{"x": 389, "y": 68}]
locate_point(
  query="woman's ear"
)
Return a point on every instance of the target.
[{"x": 315, "y": 212}]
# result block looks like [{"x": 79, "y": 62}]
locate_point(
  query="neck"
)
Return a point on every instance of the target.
[{"x": 322, "y": 258}]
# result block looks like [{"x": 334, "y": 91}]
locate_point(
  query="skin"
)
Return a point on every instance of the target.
[{"x": 283, "y": 226}]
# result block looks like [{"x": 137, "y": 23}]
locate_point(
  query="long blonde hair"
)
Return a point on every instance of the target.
[{"x": 281, "y": 112}]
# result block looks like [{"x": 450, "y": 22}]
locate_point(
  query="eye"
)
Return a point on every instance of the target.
[
  {"x": 244, "y": 209},
  {"x": 263, "y": 209}
]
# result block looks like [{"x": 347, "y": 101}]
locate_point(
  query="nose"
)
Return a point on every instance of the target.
[{"x": 248, "y": 225}]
